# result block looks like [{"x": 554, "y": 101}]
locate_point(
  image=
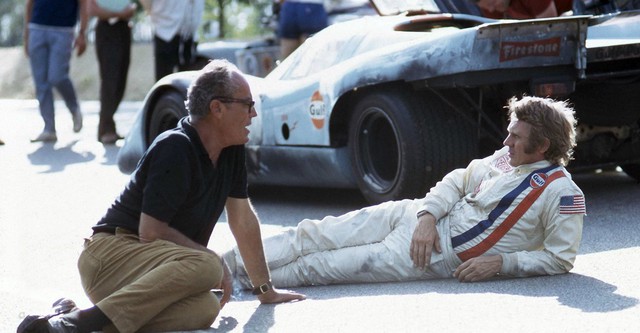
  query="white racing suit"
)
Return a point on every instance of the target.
[{"x": 531, "y": 215}]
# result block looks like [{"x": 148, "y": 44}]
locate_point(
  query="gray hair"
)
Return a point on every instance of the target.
[{"x": 215, "y": 79}]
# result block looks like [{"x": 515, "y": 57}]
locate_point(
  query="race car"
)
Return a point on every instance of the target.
[
  {"x": 260, "y": 56},
  {"x": 389, "y": 104}
]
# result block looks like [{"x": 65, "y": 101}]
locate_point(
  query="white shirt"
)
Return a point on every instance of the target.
[{"x": 172, "y": 17}]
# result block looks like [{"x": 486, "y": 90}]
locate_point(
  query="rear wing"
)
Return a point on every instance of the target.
[{"x": 532, "y": 43}]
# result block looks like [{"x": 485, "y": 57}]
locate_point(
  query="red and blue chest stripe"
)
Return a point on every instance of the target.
[{"x": 537, "y": 180}]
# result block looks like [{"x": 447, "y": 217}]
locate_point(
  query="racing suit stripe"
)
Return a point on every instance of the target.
[
  {"x": 502, "y": 206},
  {"x": 509, "y": 221}
]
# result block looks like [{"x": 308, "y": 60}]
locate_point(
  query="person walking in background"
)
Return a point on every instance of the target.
[
  {"x": 175, "y": 24},
  {"x": 297, "y": 20},
  {"x": 113, "y": 49},
  {"x": 48, "y": 42}
]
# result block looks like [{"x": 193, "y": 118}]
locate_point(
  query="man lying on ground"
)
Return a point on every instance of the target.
[{"x": 515, "y": 213}]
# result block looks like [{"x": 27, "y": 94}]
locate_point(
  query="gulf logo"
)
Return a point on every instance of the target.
[
  {"x": 317, "y": 110},
  {"x": 538, "y": 180}
]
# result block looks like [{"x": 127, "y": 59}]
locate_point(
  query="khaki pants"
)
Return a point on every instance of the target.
[{"x": 149, "y": 287}]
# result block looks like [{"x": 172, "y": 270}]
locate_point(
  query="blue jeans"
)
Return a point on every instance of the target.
[{"x": 49, "y": 54}]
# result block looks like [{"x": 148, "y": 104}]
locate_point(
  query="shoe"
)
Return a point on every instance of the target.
[
  {"x": 109, "y": 138},
  {"x": 1, "y": 142},
  {"x": 61, "y": 325},
  {"x": 77, "y": 121},
  {"x": 34, "y": 324},
  {"x": 51, "y": 323},
  {"x": 46, "y": 136},
  {"x": 63, "y": 306},
  {"x": 46, "y": 324}
]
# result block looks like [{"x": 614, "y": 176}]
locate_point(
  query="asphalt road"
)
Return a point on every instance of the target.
[{"x": 50, "y": 195}]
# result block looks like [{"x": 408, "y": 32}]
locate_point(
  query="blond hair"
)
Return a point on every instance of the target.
[{"x": 549, "y": 119}]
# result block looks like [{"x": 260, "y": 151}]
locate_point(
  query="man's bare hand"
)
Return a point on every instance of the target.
[
  {"x": 80, "y": 44},
  {"x": 226, "y": 285},
  {"x": 478, "y": 269},
  {"x": 128, "y": 12},
  {"x": 425, "y": 239},
  {"x": 280, "y": 296}
]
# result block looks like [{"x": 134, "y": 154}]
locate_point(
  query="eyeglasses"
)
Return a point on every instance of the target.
[{"x": 249, "y": 103}]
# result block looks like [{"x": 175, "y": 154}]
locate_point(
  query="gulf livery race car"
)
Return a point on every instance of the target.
[
  {"x": 258, "y": 57},
  {"x": 389, "y": 104}
]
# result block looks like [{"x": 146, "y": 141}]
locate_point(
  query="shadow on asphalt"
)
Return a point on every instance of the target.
[
  {"x": 58, "y": 158},
  {"x": 573, "y": 290},
  {"x": 263, "y": 316},
  {"x": 576, "y": 291},
  {"x": 111, "y": 154},
  {"x": 228, "y": 323},
  {"x": 612, "y": 211}
]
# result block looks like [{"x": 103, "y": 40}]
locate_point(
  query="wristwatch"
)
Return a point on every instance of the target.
[
  {"x": 263, "y": 288},
  {"x": 421, "y": 213}
]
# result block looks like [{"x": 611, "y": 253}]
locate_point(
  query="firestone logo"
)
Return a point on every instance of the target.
[{"x": 541, "y": 48}]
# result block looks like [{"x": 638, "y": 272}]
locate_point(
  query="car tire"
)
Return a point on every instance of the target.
[
  {"x": 167, "y": 111},
  {"x": 401, "y": 144},
  {"x": 632, "y": 170}
]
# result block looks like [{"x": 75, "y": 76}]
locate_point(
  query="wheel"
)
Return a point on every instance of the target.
[
  {"x": 633, "y": 170},
  {"x": 401, "y": 144},
  {"x": 166, "y": 112}
]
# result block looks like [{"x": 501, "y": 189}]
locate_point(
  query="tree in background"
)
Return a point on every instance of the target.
[
  {"x": 11, "y": 22},
  {"x": 236, "y": 18}
]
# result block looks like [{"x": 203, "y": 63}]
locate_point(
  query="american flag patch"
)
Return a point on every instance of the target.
[{"x": 572, "y": 204}]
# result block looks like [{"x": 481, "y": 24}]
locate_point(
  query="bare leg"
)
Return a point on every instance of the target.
[{"x": 287, "y": 46}]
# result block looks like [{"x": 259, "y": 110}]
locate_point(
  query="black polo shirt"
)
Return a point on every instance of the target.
[{"x": 176, "y": 182}]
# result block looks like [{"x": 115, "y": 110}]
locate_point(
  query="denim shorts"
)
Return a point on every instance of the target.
[{"x": 297, "y": 19}]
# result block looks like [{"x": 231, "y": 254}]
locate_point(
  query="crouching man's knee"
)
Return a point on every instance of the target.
[{"x": 207, "y": 271}]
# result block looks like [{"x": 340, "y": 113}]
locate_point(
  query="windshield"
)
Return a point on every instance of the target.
[
  {"x": 318, "y": 53},
  {"x": 393, "y": 7}
]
